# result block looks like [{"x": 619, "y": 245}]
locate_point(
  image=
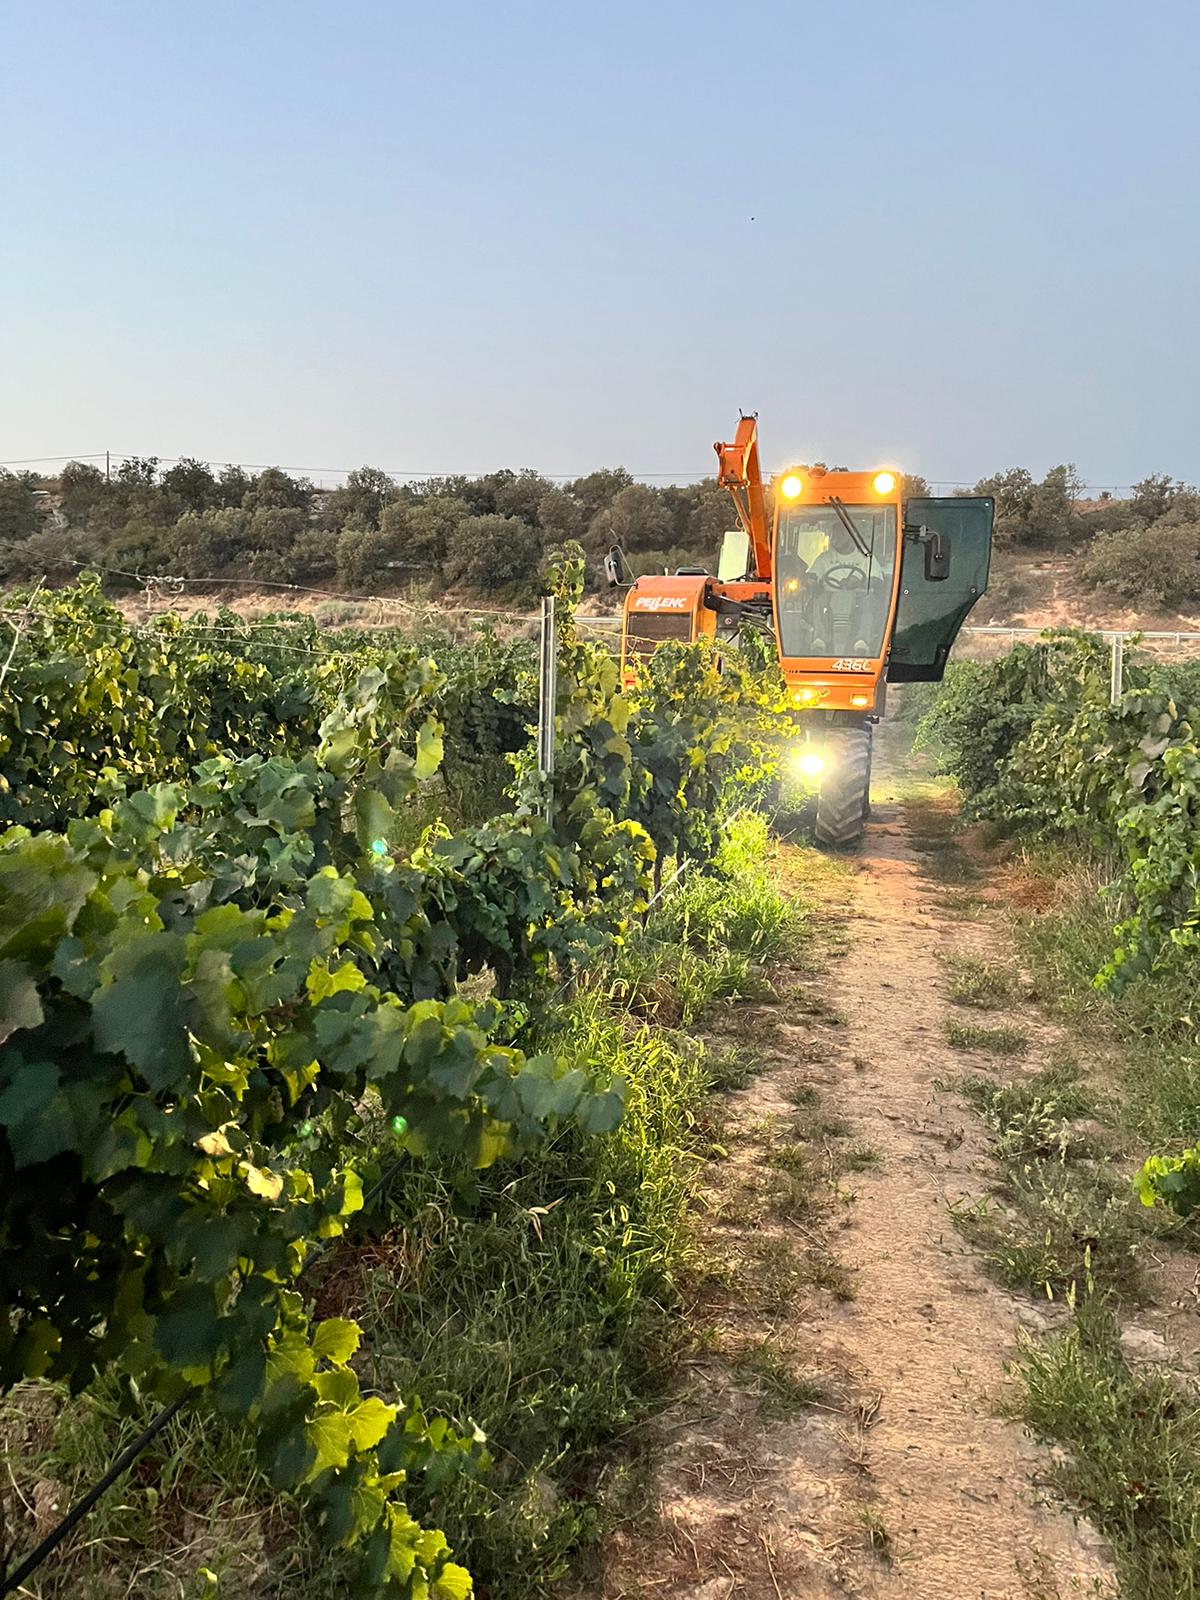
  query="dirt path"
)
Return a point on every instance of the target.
[
  {"x": 898, "y": 1479},
  {"x": 929, "y": 1331}
]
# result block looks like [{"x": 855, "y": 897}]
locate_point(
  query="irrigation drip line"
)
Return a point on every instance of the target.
[
  {"x": 12, "y": 1582},
  {"x": 81, "y": 1508}
]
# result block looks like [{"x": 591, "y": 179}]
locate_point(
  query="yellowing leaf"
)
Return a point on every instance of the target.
[
  {"x": 429, "y": 750},
  {"x": 330, "y": 1438},
  {"x": 335, "y": 1339},
  {"x": 215, "y": 1144},
  {"x": 369, "y": 1421},
  {"x": 453, "y": 1583},
  {"x": 262, "y": 1181}
]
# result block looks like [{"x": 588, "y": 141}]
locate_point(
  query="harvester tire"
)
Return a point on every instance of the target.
[{"x": 844, "y": 800}]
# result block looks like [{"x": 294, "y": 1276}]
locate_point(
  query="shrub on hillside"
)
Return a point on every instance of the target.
[
  {"x": 492, "y": 552},
  {"x": 1153, "y": 564}
]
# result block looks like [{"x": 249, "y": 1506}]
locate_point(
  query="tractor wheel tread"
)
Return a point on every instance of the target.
[{"x": 844, "y": 800}]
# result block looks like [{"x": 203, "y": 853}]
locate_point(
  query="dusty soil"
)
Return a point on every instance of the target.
[
  {"x": 901, "y": 1479},
  {"x": 1033, "y": 589},
  {"x": 1027, "y": 589}
]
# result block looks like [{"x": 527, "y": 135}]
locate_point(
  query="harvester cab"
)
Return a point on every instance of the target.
[{"x": 859, "y": 587}]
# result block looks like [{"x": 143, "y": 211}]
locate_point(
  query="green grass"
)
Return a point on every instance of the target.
[
  {"x": 1153, "y": 1022},
  {"x": 783, "y": 1393},
  {"x": 876, "y": 1536},
  {"x": 712, "y": 938},
  {"x": 981, "y": 983},
  {"x": 1004, "y": 1039},
  {"x": 1060, "y": 1215},
  {"x": 195, "y": 1498},
  {"x": 1131, "y": 1439},
  {"x": 797, "y": 1192},
  {"x": 1062, "y": 1220},
  {"x": 731, "y": 1067},
  {"x": 859, "y": 1158}
]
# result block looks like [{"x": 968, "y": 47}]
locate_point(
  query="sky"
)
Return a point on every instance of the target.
[{"x": 951, "y": 237}]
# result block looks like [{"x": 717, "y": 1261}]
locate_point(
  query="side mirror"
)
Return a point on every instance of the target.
[
  {"x": 615, "y": 569},
  {"x": 937, "y": 557}
]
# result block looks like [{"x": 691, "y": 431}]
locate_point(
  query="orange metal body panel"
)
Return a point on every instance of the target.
[
  {"x": 682, "y": 597},
  {"x": 739, "y": 472},
  {"x": 837, "y": 685}
]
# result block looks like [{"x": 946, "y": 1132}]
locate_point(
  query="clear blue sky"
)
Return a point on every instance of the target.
[{"x": 954, "y": 235}]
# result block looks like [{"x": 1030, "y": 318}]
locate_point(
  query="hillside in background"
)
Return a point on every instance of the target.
[
  {"x": 1132, "y": 562},
  {"x": 1040, "y": 589}
]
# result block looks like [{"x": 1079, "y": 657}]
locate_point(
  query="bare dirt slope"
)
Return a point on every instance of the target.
[
  {"x": 892, "y": 1474},
  {"x": 1033, "y": 589}
]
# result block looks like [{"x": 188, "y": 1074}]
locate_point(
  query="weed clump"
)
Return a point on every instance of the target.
[
  {"x": 1131, "y": 1438},
  {"x": 1003, "y": 1040},
  {"x": 985, "y": 985}
]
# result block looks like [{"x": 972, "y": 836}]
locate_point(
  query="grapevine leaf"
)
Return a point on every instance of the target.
[
  {"x": 188, "y": 1333},
  {"x": 453, "y": 1583},
  {"x": 602, "y": 1113},
  {"x": 429, "y": 750},
  {"x": 335, "y": 1339},
  {"x": 373, "y": 816},
  {"x": 261, "y": 1180},
  {"x": 141, "y": 1011},
  {"x": 369, "y": 1421},
  {"x": 27, "y": 1106},
  {"x": 20, "y": 1006},
  {"x": 331, "y": 1437}
]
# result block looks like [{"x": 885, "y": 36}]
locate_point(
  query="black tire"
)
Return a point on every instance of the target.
[{"x": 844, "y": 799}]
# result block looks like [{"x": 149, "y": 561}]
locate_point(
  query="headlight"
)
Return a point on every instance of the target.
[
  {"x": 884, "y": 482},
  {"x": 790, "y": 487},
  {"x": 809, "y": 764}
]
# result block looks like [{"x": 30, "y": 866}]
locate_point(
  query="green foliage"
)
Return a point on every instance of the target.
[
  {"x": 18, "y": 509},
  {"x": 94, "y": 707},
  {"x": 492, "y": 552},
  {"x": 1173, "y": 1180},
  {"x": 1035, "y": 744},
  {"x": 1028, "y": 512},
  {"x": 194, "y": 1052},
  {"x": 1002, "y": 1040},
  {"x": 1155, "y": 563},
  {"x": 229, "y": 989}
]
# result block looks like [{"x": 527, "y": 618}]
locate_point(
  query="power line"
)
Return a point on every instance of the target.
[
  {"x": 405, "y": 473},
  {"x": 413, "y": 475}
]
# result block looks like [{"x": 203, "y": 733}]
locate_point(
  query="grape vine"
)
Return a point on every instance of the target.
[{"x": 229, "y": 992}]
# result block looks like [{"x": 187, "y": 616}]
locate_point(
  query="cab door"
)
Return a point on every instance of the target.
[{"x": 944, "y": 564}]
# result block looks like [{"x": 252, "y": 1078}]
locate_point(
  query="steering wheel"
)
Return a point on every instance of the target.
[{"x": 844, "y": 575}]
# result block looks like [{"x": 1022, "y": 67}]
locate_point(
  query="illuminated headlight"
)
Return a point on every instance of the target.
[
  {"x": 809, "y": 764},
  {"x": 884, "y": 482},
  {"x": 805, "y": 697},
  {"x": 790, "y": 487},
  {"x": 860, "y": 700}
]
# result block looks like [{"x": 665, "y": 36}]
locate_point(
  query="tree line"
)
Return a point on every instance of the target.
[
  {"x": 485, "y": 533},
  {"x": 490, "y": 533}
]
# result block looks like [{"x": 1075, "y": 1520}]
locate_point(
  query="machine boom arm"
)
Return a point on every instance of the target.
[{"x": 739, "y": 472}]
